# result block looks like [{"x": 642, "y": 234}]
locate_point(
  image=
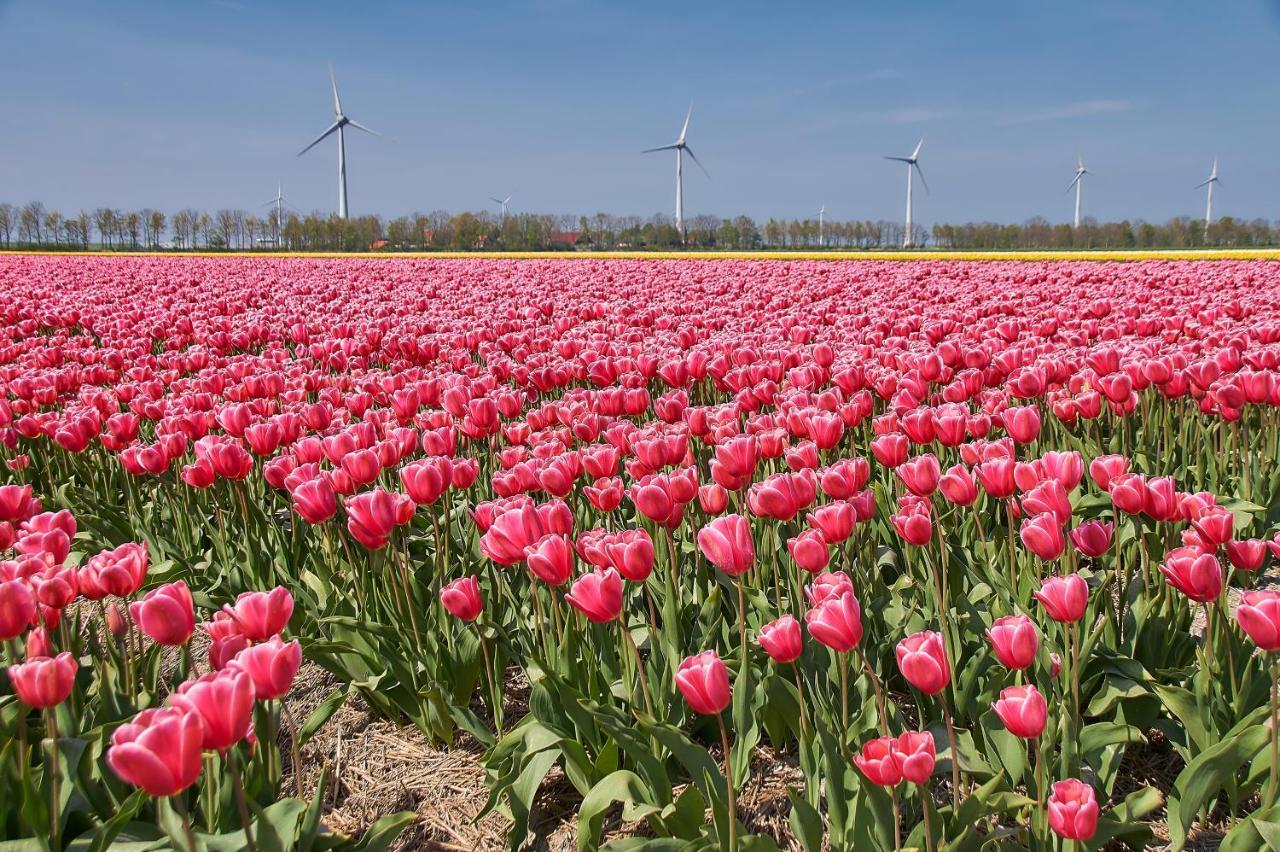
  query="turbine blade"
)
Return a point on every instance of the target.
[
  {"x": 916, "y": 166},
  {"x": 919, "y": 145},
  {"x": 899, "y": 159},
  {"x": 358, "y": 126},
  {"x": 684, "y": 130},
  {"x": 499, "y": 200},
  {"x": 689, "y": 151},
  {"x": 333, "y": 81},
  {"x": 319, "y": 139},
  {"x": 507, "y": 199},
  {"x": 1204, "y": 183},
  {"x": 1073, "y": 183},
  {"x": 671, "y": 147}
]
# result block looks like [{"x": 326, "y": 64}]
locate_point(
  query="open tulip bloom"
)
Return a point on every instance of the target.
[{"x": 576, "y": 508}]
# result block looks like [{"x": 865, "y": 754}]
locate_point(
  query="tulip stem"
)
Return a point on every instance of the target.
[
  {"x": 495, "y": 698},
  {"x": 238, "y": 786},
  {"x": 800, "y": 697},
  {"x": 55, "y": 778},
  {"x": 644, "y": 678},
  {"x": 1273, "y": 787},
  {"x": 897, "y": 819},
  {"x": 843, "y": 660},
  {"x": 728, "y": 783},
  {"x": 925, "y": 804},
  {"x": 742, "y": 626},
  {"x": 295, "y": 753},
  {"x": 181, "y": 807},
  {"x": 875, "y": 685},
  {"x": 1042, "y": 814},
  {"x": 955, "y": 752}
]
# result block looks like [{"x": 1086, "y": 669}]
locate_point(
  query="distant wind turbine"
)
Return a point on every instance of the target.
[
  {"x": 278, "y": 201},
  {"x": 502, "y": 202},
  {"x": 822, "y": 212},
  {"x": 1076, "y": 183},
  {"x": 1208, "y": 210},
  {"x": 340, "y": 122},
  {"x": 913, "y": 162},
  {"x": 681, "y": 148}
]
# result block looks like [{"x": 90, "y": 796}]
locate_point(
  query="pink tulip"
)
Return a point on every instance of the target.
[
  {"x": 923, "y": 661},
  {"x": 876, "y": 761},
  {"x": 1064, "y": 598},
  {"x": 597, "y": 595},
  {"x": 1073, "y": 810},
  {"x": 224, "y": 702},
  {"x": 1092, "y": 538},
  {"x": 159, "y": 750},
  {"x": 703, "y": 680},
  {"x": 836, "y": 621},
  {"x": 781, "y": 640},
  {"x": 1015, "y": 641},
  {"x": 727, "y": 544},
  {"x": 166, "y": 614},
  {"x": 261, "y": 615},
  {"x": 44, "y": 681},
  {"x": 1023, "y": 711},
  {"x": 915, "y": 756},
  {"x": 1042, "y": 535},
  {"x": 272, "y": 665},
  {"x": 463, "y": 599},
  {"x": 1259, "y": 616}
]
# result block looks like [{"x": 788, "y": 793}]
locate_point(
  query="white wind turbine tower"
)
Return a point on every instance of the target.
[
  {"x": 913, "y": 162},
  {"x": 1208, "y": 209},
  {"x": 278, "y": 201},
  {"x": 681, "y": 148},
  {"x": 822, "y": 212},
  {"x": 340, "y": 123},
  {"x": 1076, "y": 183},
  {"x": 502, "y": 202}
]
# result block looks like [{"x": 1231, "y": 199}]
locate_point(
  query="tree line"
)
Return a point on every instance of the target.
[{"x": 32, "y": 225}]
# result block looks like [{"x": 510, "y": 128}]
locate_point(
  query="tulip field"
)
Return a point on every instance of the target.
[{"x": 956, "y": 543}]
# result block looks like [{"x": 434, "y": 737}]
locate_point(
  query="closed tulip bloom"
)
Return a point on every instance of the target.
[
  {"x": 876, "y": 761},
  {"x": 920, "y": 474},
  {"x": 224, "y": 702},
  {"x": 837, "y": 621},
  {"x": 1064, "y": 598},
  {"x": 809, "y": 551},
  {"x": 597, "y": 595},
  {"x": 118, "y": 572},
  {"x": 996, "y": 476},
  {"x": 315, "y": 500},
  {"x": 827, "y": 585},
  {"x": 781, "y": 640},
  {"x": 272, "y": 665},
  {"x": 703, "y": 680},
  {"x": 1246, "y": 554},
  {"x": 631, "y": 553},
  {"x": 44, "y": 682},
  {"x": 1104, "y": 469},
  {"x": 1023, "y": 711},
  {"x": 923, "y": 661},
  {"x": 834, "y": 521},
  {"x": 373, "y": 515},
  {"x": 261, "y": 615},
  {"x": 1042, "y": 535},
  {"x": 713, "y": 498},
  {"x": 225, "y": 649},
  {"x": 166, "y": 614},
  {"x": 1197, "y": 575},
  {"x": 727, "y": 544},
  {"x": 1129, "y": 493},
  {"x": 1073, "y": 810},
  {"x": 1259, "y": 616},
  {"x": 915, "y": 755},
  {"x": 463, "y": 599},
  {"x": 1022, "y": 423},
  {"x": 914, "y": 525},
  {"x": 1216, "y": 526},
  {"x": 17, "y": 608},
  {"x": 39, "y": 643},
  {"x": 159, "y": 750},
  {"x": 844, "y": 478},
  {"x": 1092, "y": 538},
  {"x": 1015, "y": 640},
  {"x": 958, "y": 487},
  {"x": 551, "y": 559}
]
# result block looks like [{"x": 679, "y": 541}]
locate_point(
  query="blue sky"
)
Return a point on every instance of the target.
[{"x": 205, "y": 104}]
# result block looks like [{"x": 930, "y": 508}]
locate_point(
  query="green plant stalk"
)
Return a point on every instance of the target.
[
  {"x": 1273, "y": 786},
  {"x": 926, "y": 805},
  {"x": 628, "y": 639},
  {"x": 955, "y": 753},
  {"x": 1041, "y": 816},
  {"x": 728, "y": 783},
  {"x": 495, "y": 698},
  {"x": 237, "y": 785},
  {"x": 181, "y": 807},
  {"x": 55, "y": 779},
  {"x": 742, "y": 625}
]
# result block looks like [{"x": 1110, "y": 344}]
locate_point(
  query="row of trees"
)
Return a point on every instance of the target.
[{"x": 32, "y": 225}]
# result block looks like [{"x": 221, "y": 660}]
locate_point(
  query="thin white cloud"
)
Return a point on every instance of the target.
[{"x": 1079, "y": 109}]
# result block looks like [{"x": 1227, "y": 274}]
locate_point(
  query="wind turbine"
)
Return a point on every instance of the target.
[
  {"x": 681, "y": 148},
  {"x": 1076, "y": 183},
  {"x": 278, "y": 201},
  {"x": 913, "y": 162},
  {"x": 503, "y": 203},
  {"x": 340, "y": 123},
  {"x": 822, "y": 212},
  {"x": 1208, "y": 210}
]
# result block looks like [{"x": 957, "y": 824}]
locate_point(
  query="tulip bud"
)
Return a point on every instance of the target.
[
  {"x": 781, "y": 640},
  {"x": 159, "y": 751},
  {"x": 1014, "y": 640},
  {"x": 463, "y": 599},
  {"x": 727, "y": 544},
  {"x": 597, "y": 595},
  {"x": 704, "y": 682},
  {"x": 1073, "y": 810},
  {"x": 915, "y": 755},
  {"x": 876, "y": 761},
  {"x": 922, "y": 659},
  {"x": 1064, "y": 598},
  {"x": 1259, "y": 616},
  {"x": 44, "y": 682},
  {"x": 1023, "y": 711}
]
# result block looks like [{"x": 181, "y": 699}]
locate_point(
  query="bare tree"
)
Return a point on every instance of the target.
[
  {"x": 31, "y": 222},
  {"x": 7, "y": 215}
]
